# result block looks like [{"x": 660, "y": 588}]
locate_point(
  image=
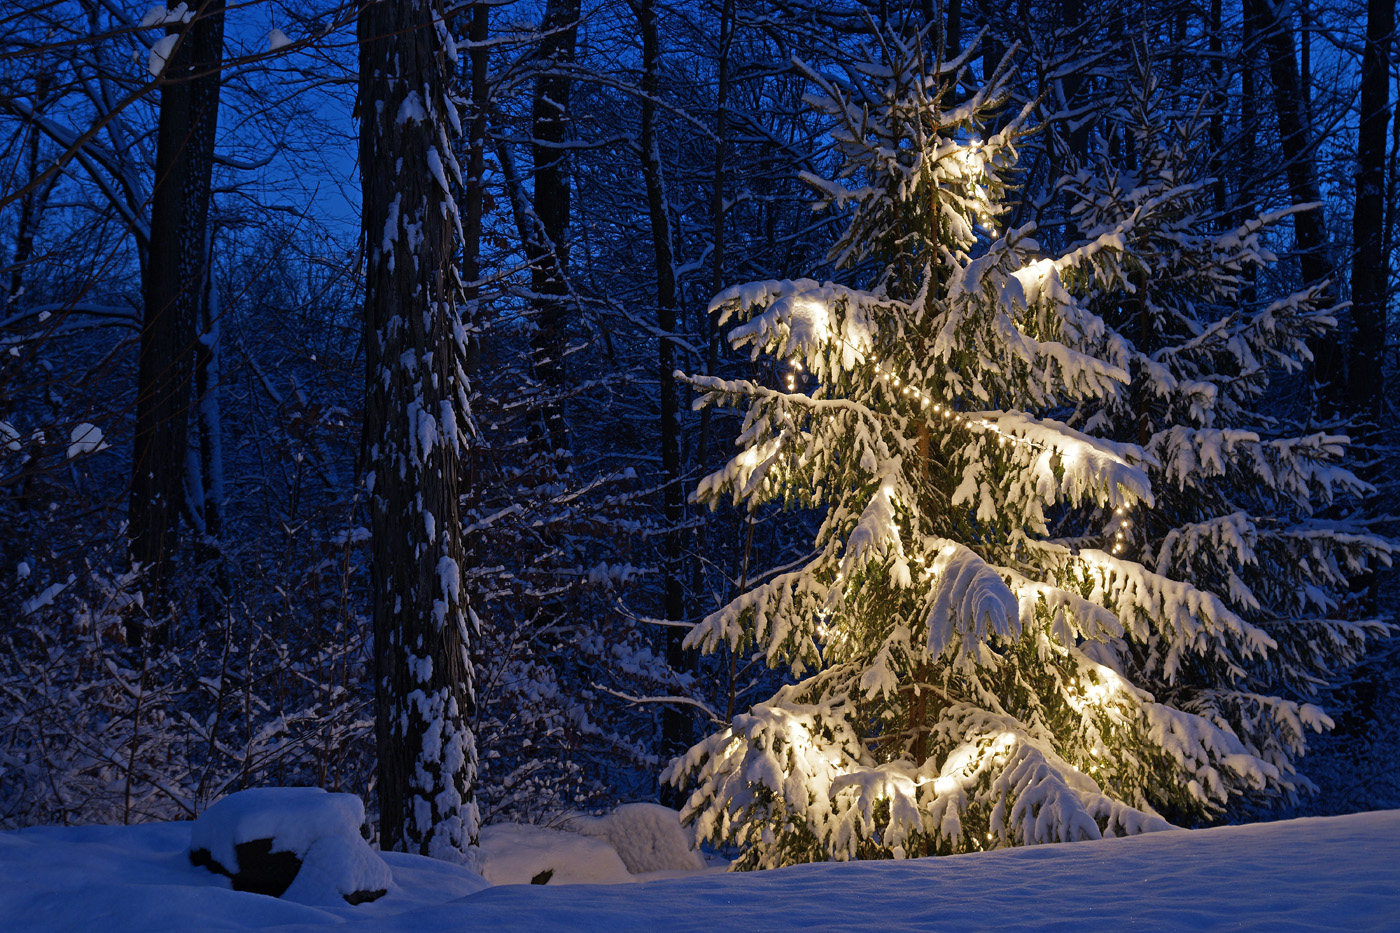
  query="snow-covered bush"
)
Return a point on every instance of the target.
[
  {"x": 558, "y": 655},
  {"x": 93, "y": 730},
  {"x": 966, "y": 660}
]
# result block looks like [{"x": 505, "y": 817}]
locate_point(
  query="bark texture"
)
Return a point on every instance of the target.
[
  {"x": 675, "y": 726},
  {"x": 416, "y": 419},
  {"x": 1295, "y": 137},
  {"x": 1365, "y": 374},
  {"x": 174, "y": 290},
  {"x": 547, "y": 246}
]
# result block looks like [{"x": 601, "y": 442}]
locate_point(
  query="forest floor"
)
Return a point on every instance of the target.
[{"x": 1327, "y": 873}]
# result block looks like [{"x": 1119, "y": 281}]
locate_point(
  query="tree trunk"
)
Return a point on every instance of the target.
[
  {"x": 31, "y": 205},
  {"x": 1366, "y": 376},
  {"x": 416, "y": 424},
  {"x": 992, "y": 49},
  {"x": 1178, "y": 56},
  {"x": 209, "y": 477},
  {"x": 1305, "y": 59},
  {"x": 173, "y": 289},
  {"x": 675, "y": 725},
  {"x": 1072, "y": 86},
  {"x": 1295, "y": 137},
  {"x": 474, "y": 197},
  {"x": 1217, "y": 111},
  {"x": 718, "y": 212},
  {"x": 717, "y": 215},
  {"x": 547, "y": 248}
]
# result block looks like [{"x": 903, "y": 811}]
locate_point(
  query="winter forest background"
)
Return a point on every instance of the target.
[{"x": 1062, "y": 511}]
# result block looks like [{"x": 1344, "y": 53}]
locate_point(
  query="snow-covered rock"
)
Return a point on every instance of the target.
[
  {"x": 522, "y": 854},
  {"x": 298, "y": 843},
  {"x": 646, "y": 836}
]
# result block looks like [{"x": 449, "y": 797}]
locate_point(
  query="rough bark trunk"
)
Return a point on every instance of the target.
[
  {"x": 717, "y": 214},
  {"x": 1369, "y": 271},
  {"x": 1295, "y": 138},
  {"x": 1305, "y": 59},
  {"x": 675, "y": 726},
  {"x": 1072, "y": 87},
  {"x": 210, "y": 477},
  {"x": 474, "y": 195},
  {"x": 31, "y": 205},
  {"x": 416, "y": 424},
  {"x": 1178, "y": 55},
  {"x": 547, "y": 248},
  {"x": 992, "y": 50},
  {"x": 173, "y": 289},
  {"x": 1217, "y": 110}
]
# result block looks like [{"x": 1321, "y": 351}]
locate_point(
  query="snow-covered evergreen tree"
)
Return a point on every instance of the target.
[
  {"x": 963, "y": 676},
  {"x": 1236, "y": 488}
]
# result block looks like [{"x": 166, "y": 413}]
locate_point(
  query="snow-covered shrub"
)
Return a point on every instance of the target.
[
  {"x": 558, "y": 549},
  {"x": 551, "y": 737},
  {"x": 967, "y": 660},
  {"x": 93, "y": 730}
]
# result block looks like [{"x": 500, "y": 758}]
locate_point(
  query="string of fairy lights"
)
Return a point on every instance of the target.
[{"x": 1117, "y": 526}]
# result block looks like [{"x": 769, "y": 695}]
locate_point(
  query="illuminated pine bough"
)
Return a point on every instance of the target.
[
  {"x": 962, "y": 678},
  {"x": 1236, "y": 485}
]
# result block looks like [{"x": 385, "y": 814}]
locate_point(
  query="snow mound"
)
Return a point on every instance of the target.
[
  {"x": 320, "y": 829},
  {"x": 1298, "y": 876},
  {"x": 521, "y": 854},
  {"x": 646, "y": 836}
]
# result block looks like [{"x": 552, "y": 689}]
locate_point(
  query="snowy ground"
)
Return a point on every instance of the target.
[{"x": 1334, "y": 873}]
